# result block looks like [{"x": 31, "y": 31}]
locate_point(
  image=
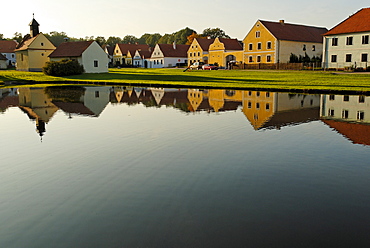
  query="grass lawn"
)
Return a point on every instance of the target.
[{"x": 283, "y": 80}]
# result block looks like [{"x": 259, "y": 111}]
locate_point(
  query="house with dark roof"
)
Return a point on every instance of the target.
[
  {"x": 7, "y": 48},
  {"x": 198, "y": 50},
  {"x": 33, "y": 51},
  {"x": 347, "y": 44},
  {"x": 88, "y": 53},
  {"x": 121, "y": 52},
  {"x": 141, "y": 58},
  {"x": 169, "y": 55},
  {"x": 222, "y": 51},
  {"x": 274, "y": 42}
]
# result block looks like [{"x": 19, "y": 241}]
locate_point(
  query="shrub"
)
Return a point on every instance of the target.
[{"x": 64, "y": 67}]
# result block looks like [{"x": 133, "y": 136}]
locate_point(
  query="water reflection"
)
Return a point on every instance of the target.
[{"x": 346, "y": 114}]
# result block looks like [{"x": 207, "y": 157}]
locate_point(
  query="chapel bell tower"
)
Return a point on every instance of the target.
[{"x": 34, "y": 27}]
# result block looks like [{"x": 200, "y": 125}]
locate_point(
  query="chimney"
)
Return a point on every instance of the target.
[
  {"x": 174, "y": 45},
  {"x": 282, "y": 22}
]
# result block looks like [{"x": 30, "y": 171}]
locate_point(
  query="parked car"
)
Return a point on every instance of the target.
[
  {"x": 209, "y": 67},
  {"x": 196, "y": 65}
]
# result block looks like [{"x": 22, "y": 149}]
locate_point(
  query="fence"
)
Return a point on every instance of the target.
[{"x": 280, "y": 66}]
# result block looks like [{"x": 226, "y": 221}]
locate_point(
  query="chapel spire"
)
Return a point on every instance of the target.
[{"x": 34, "y": 27}]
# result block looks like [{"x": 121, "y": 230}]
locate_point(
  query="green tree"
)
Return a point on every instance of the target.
[
  {"x": 112, "y": 40},
  {"x": 57, "y": 38},
  {"x": 17, "y": 37},
  {"x": 129, "y": 39},
  {"x": 166, "y": 39},
  {"x": 214, "y": 33},
  {"x": 149, "y": 39},
  {"x": 101, "y": 40},
  {"x": 2, "y": 37},
  {"x": 181, "y": 36}
]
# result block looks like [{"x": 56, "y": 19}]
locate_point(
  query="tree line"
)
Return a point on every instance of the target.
[{"x": 183, "y": 36}]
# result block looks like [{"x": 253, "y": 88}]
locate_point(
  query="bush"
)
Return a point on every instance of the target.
[{"x": 64, "y": 67}]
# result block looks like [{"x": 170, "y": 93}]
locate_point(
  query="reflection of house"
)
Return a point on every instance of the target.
[
  {"x": 88, "y": 53},
  {"x": 273, "y": 110},
  {"x": 198, "y": 50},
  {"x": 356, "y": 132},
  {"x": 222, "y": 51},
  {"x": 273, "y": 42},
  {"x": 348, "y": 44},
  {"x": 346, "y": 108},
  {"x": 33, "y": 51},
  {"x": 38, "y": 106},
  {"x": 8, "y": 98},
  {"x": 169, "y": 55},
  {"x": 7, "y": 48}
]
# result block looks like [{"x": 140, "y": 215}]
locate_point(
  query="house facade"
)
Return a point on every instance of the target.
[
  {"x": 7, "y": 48},
  {"x": 222, "y": 51},
  {"x": 121, "y": 54},
  {"x": 33, "y": 51},
  {"x": 88, "y": 53},
  {"x": 3, "y": 62},
  {"x": 348, "y": 43},
  {"x": 169, "y": 55},
  {"x": 198, "y": 50},
  {"x": 274, "y": 42}
]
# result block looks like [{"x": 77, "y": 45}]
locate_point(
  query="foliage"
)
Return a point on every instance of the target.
[
  {"x": 17, "y": 37},
  {"x": 214, "y": 33},
  {"x": 101, "y": 40},
  {"x": 181, "y": 37},
  {"x": 65, "y": 94},
  {"x": 304, "y": 59},
  {"x": 149, "y": 39},
  {"x": 2, "y": 37},
  {"x": 64, "y": 67},
  {"x": 57, "y": 38},
  {"x": 129, "y": 39},
  {"x": 192, "y": 37},
  {"x": 112, "y": 40}
]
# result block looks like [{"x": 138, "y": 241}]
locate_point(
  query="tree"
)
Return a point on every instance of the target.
[
  {"x": 18, "y": 37},
  {"x": 181, "y": 36},
  {"x": 149, "y": 39},
  {"x": 214, "y": 33},
  {"x": 129, "y": 39},
  {"x": 112, "y": 40},
  {"x": 166, "y": 39},
  {"x": 2, "y": 37},
  {"x": 101, "y": 40},
  {"x": 192, "y": 37},
  {"x": 57, "y": 38}
]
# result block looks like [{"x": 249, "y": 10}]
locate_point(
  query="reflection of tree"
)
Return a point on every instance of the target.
[
  {"x": 151, "y": 103},
  {"x": 183, "y": 106},
  {"x": 65, "y": 93}
]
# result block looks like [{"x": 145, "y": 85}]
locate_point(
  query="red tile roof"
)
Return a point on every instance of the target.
[
  {"x": 132, "y": 47},
  {"x": 26, "y": 41},
  {"x": 70, "y": 49},
  {"x": 357, "y": 133},
  {"x": 231, "y": 44},
  {"x": 204, "y": 43},
  {"x": 7, "y": 46},
  {"x": 145, "y": 54},
  {"x": 181, "y": 51},
  {"x": 295, "y": 32},
  {"x": 356, "y": 23}
]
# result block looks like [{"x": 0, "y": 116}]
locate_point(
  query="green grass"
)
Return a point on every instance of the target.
[{"x": 284, "y": 80}]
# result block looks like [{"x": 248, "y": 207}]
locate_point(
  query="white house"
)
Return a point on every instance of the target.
[
  {"x": 7, "y": 48},
  {"x": 88, "y": 53},
  {"x": 169, "y": 55},
  {"x": 348, "y": 43},
  {"x": 141, "y": 58}
]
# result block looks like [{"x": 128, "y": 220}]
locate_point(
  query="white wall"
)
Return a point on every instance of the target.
[
  {"x": 288, "y": 47},
  {"x": 92, "y": 53}
]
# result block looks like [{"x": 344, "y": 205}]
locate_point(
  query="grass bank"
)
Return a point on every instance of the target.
[{"x": 274, "y": 80}]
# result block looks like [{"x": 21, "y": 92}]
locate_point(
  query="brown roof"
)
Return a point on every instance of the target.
[
  {"x": 204, "y": 43},
  {"x": 145, "y": 54},
  {"x": 70, "y": 49},
  {"x": 74, "y": 108},
  {"x": 26, "y": 41},
  {"x": 132, "y": 47},
  {"x": 358, "y": 22},
  {"x": 231, "y": 44},
  {"x": 357, "y": 133},
  {"x": 181, "y": 51},
  {"x": 110, "y": 49},
  {"x": 295, "y": 32},
  {"x": 2, "y": 57},
  {"x": 7, "y": 46}
]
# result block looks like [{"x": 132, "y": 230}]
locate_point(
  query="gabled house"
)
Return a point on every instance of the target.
[
  {"x": 88, "y": 53},
  {"x": 274, "y": 42},
  {"x": 141, "y": 58},
  {"x": 7, "y": 48},
  {"x": 222, "y": 51},
  {"x": 169, "y": 55},
  {"x": 121, "y": 51},
  {"x": 109, "y": 50},
  {"x": 3, "y": 62},
  {"x": 198, "y": 50},
  {"x": 348, "y": 43},
  {"x": 33, "y": 51}
]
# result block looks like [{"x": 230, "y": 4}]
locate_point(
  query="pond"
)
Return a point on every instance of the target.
[{"x": 156, "y": 167}]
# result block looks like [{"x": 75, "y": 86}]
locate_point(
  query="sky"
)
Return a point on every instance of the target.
[{"x": 81, "y": 18}]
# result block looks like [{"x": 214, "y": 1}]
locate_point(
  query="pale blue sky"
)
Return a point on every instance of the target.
[{"x": 80, "y": 18}]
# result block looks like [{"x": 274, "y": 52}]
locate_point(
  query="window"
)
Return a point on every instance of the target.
[
  {"x": 190, "y": 54},
  {"x": 257, "y": 105},
  {"x": 360, "y": 115},
  {"x": 249, "y": 105},
  {"x": 258, "y": 93},
  {"x": 333, "y": 58},
  {"x": 334, "y": 41},
  {"x": 198, "y": 53},
  {"x": 250, "y": 59},
  {"x": 96, "y": 64},
  {"x": 268, "y": 58},
  {"x": 313, "y": 48},
  {"x": 348, "y": 57},
  {"x": 258, "y": 59},
  {"x": 267, "y": 94},
  {"x": 269, "y": 45},
  {"x": 42, "y": 54},
  {"x": 267, "y": 106},
  {"x": 304, "y": 47},
  {"x": 249, "y": 93},
  {"x": 364, "y": 57},
  {"x": 96, "y": 94},
  {"x": 349, "y": 41},
  {"x": 331, "y": 112},
  {"x": 258, "y": 34},
  {"x": 331, "y": 97},
  {"x": 250, "y": 46},
  {"x": 42, "y": 44},
  {"x": 345, "y": 114},
  {"x": 365, "y": 39},
  {"x": 346, "y": 98},
  {"x": 361, "y": 99},
  {"x": 259, "y": 45}
]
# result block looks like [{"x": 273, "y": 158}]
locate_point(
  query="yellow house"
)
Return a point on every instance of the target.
[
  {"x": 274, "y": 42},
  {"x": 222, "y": 51},
  {"x": 33, "y": 51},
  {"x": 198, "y": 50},
  {"x": 123, "y": 53}
]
